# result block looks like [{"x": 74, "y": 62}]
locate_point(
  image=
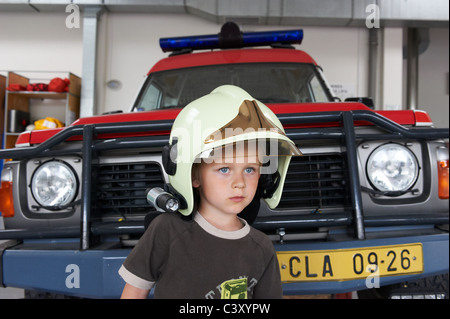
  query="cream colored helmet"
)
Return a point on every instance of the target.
[{"x": 226, "y": 116}]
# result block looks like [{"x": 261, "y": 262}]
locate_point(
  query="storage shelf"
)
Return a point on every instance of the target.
[
  {"x": 40, "y": 94},
  {"x": 20, "y": 102}
]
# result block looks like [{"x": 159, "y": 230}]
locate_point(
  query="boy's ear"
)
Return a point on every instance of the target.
[
  {"x": 195, "y": 182},
  {"x": 195, "y": 176}
]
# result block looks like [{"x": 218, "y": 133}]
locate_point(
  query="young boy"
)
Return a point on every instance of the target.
[{"x": 219, "y": 153}]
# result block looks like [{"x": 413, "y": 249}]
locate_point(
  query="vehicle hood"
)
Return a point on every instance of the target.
[{"x": 402, "y": 117}]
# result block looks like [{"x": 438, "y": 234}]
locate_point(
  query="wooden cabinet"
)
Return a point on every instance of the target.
[{"x": 17, "y": 104}]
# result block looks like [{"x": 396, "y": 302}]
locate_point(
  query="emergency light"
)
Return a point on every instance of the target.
[{"x": 231, "y": 37}]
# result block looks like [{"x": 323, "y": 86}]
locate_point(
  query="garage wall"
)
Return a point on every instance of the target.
[
  {"x": 128, "y": 47},
  {"x": 132, "y": 48},
  {"x": 36, "y": 41},
  {"x": 40, "y": 42},
  {"x": 433, "y": 78}
]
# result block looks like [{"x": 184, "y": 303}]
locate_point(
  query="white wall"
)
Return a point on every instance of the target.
[
  {"x": 132, "y": 48},
  {"x": 37, "y": 41},
  {"x": 128, "y": 47},
  {"x": 433, "y": 78},
  {"x": 40, "y": 42},
  {"x": 391, "y": 77}
]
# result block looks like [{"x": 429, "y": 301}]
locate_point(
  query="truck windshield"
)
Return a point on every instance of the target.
[{"x": 267, "y": 82}]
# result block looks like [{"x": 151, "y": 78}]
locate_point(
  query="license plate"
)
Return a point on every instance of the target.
[{"x": 348, "y": 264}]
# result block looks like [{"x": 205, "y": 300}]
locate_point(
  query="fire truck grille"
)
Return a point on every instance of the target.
[
  {"x": 315, "y": 182},
  {"x": 121, "y": 187}
]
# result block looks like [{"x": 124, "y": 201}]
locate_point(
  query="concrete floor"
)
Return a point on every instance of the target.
[{"x": 11, "y": 293}]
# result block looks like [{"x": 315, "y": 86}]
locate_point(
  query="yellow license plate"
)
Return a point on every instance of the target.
[{"x": 348, "y": 264}]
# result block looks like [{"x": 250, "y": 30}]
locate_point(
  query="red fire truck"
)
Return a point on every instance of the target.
[{"x": 365, "y": 209}]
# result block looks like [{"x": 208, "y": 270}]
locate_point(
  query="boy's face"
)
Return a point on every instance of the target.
[{"x": 227, "y": 184}]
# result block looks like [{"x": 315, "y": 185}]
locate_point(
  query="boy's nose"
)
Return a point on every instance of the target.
[{"x": 239, "y": 182}]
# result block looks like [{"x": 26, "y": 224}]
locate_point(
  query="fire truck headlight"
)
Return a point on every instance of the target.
[
  {"x": 54, "y": 184},
  {"x": 392, "y": 168}
]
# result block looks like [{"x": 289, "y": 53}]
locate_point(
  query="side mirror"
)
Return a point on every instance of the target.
[{"x": 367, "y": 101}]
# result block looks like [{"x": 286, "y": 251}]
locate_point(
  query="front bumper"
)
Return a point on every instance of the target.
[{"x": 60, "y": 267}]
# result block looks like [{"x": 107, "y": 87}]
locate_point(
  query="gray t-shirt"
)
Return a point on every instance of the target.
[{"x": 194, "y": 259}]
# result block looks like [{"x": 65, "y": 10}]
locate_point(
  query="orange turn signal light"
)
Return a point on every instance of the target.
[
  {"x": 6, "y": 200},
  {"x": 443, "y": 179}
]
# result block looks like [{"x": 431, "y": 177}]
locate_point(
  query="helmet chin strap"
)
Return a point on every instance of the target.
[
  {"x": 268, "y": 184},
  {"x": 250, "y": 212}
]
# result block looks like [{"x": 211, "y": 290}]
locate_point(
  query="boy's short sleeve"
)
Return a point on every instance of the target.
[
  {"x": 143, "y": 265},
  {"x": 269, "y": 285}
]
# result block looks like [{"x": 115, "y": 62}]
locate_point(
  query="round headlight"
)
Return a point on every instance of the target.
[
  {"x": 392, "y": 168},
  {"x": 54, "y": 184}
]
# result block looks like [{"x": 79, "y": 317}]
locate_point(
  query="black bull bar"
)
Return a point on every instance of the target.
[{"x": 345, "y": 131}]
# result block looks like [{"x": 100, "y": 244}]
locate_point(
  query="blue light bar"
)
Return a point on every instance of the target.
[
  {"x": 199, "y": 42},
  {"x": 239, "y": 40},
  {"x": 271, "y": 37}
]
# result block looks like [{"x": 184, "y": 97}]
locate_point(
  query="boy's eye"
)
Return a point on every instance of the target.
[
  {"x": 224, "y": 169},
  {"x": 249, "y": 170}
]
